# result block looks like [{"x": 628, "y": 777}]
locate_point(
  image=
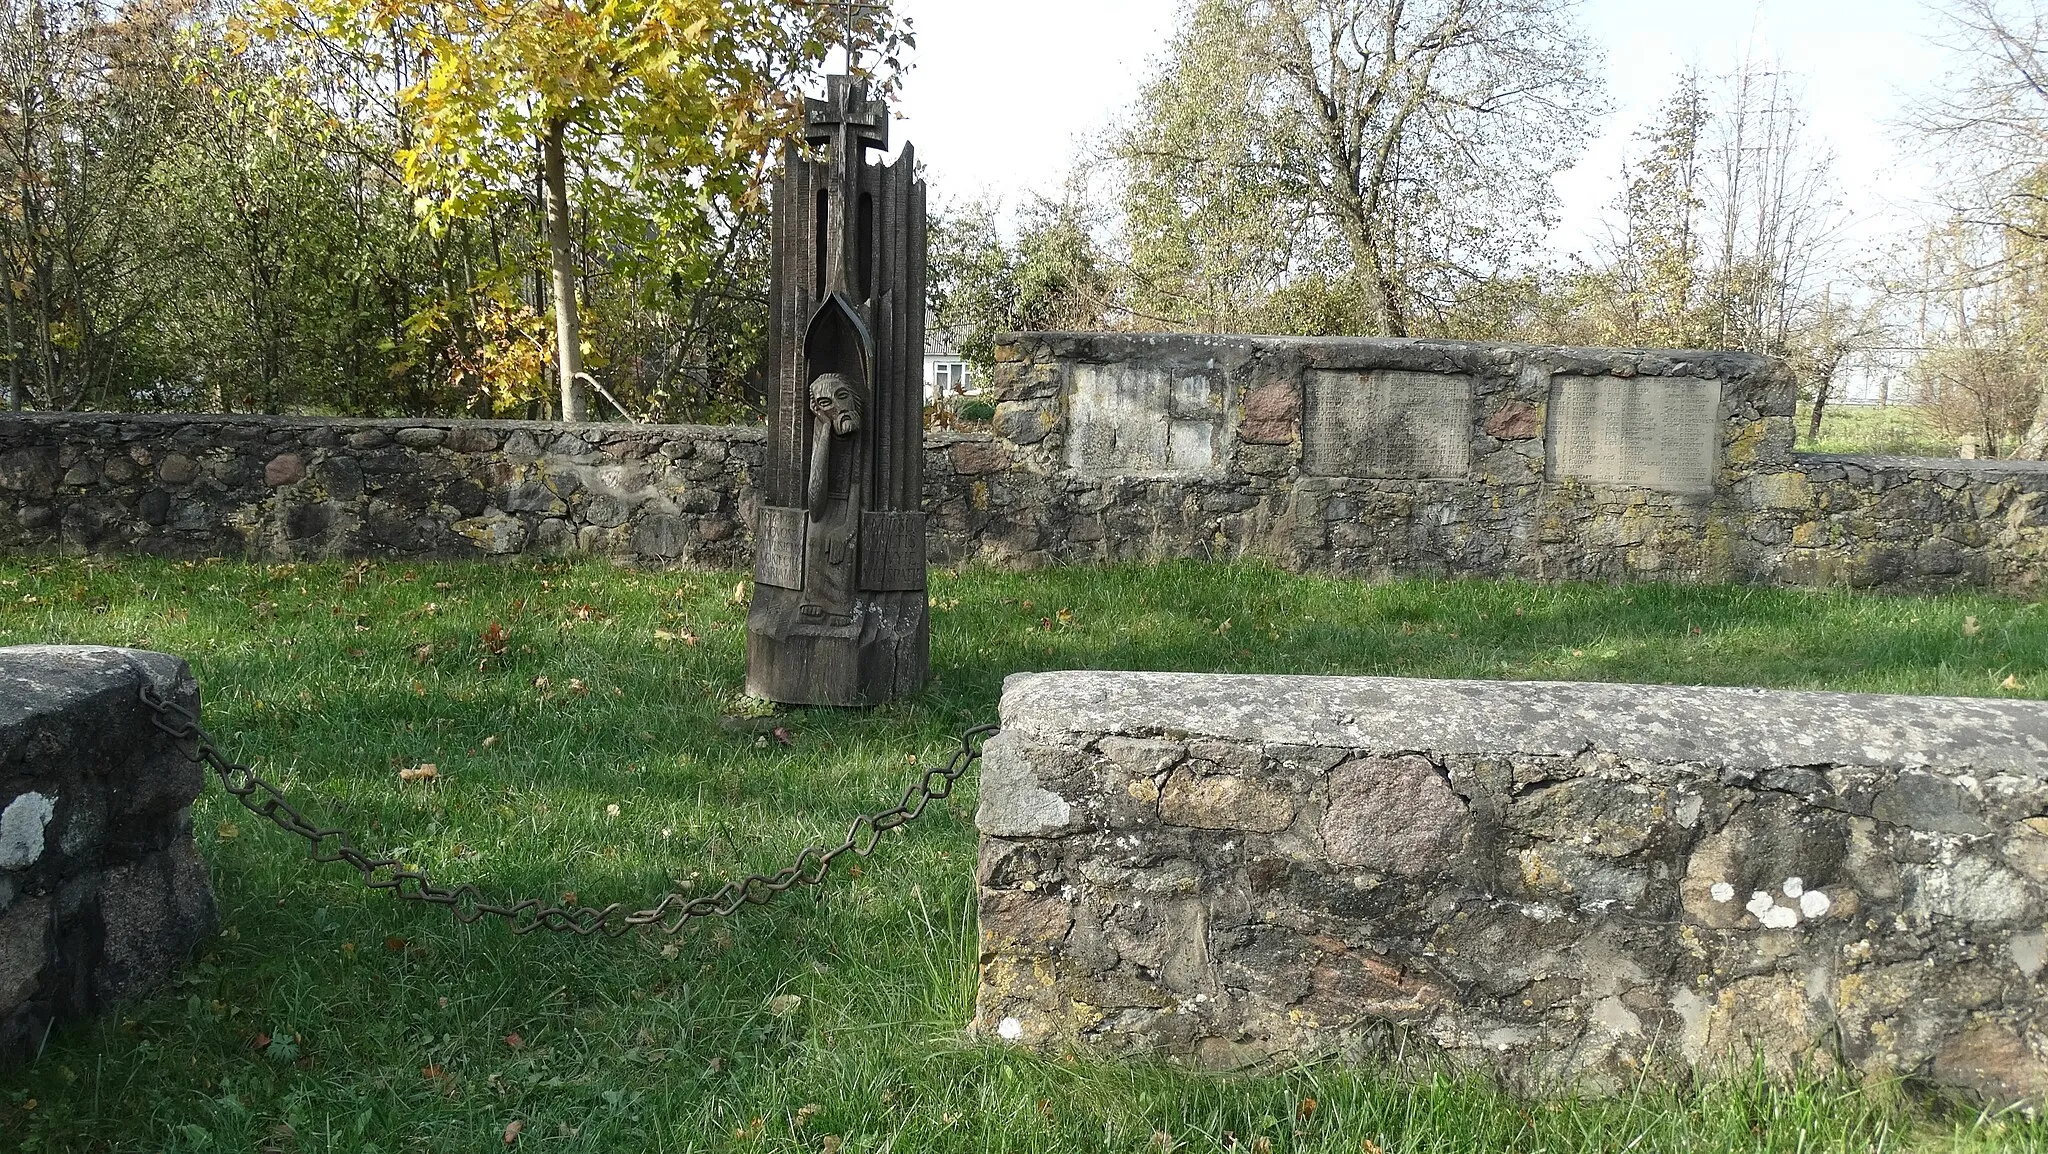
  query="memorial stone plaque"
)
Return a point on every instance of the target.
[
  {"x": 1130, "y": 420},
  {"x": 1387, "y": 424},
  {"x": 1661, "y": 433}
]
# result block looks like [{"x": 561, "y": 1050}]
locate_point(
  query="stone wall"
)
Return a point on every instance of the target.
[
  {"x": 1379, "y": 458},
  {"x": 101, "y": 890},
  {"x": 290, "y": 488},
  {"x": 1354, "y": 457},
  {"x": 1570, "y": 884}
]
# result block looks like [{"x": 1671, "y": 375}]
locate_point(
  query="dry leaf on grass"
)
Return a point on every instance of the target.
[
  {"x": 512, "y": 1130},
  {"x": 1971, "y": 627},
  {"x": 2011, "y": 682},
  {"x": 425, "y": 772}
]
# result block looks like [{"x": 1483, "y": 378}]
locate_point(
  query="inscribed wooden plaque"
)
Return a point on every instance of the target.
[
  {"x": 779, "y": 548},
  {"x": 1661, "y": 433},
  {"x": 892, "y": 554},
  {"x": 1387, "y": 424}
]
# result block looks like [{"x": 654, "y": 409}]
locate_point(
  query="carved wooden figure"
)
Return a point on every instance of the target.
[{"x": 839, "y": 614}]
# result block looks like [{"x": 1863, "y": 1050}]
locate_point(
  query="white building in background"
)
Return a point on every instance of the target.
[{"x": 946, "y": 372}]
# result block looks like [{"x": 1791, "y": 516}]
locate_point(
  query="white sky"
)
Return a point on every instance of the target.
[{"x": 1001, "y": 92}]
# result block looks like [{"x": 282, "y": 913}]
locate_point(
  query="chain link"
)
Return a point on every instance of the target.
[{"x": 669, "y": 915}]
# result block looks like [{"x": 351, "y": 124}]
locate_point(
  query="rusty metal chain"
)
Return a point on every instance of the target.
[{"x": 669, "y": 915}]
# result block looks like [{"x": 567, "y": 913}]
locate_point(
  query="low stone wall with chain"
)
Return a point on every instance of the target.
[
  {"x": 1570, "y": 884},
  {"x": 102, "y": 892},
  {"x": 1351, "y": 457}
]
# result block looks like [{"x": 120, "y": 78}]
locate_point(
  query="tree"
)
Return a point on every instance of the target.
[
  {"x": 1991, "y": 128},
  {"x": 1392, "y": 155},
  {"x": 662, "y": 112},
  {"x": 1054, "y": 277},
  {"x": 90, "y": 103}
]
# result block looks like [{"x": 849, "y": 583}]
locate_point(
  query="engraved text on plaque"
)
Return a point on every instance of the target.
[
  {"x": 1131, "y": 420},
  {"x": 892, "y": 553},
  {"x": 1661, "y": 433},
  {"x": 779, "y": 548},
  {"x": 1387, "y": 424}
]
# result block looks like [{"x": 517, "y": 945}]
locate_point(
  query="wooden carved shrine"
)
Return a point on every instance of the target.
[{"x": 839, "y": 614}]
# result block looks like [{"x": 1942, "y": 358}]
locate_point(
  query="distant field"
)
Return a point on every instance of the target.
[
  {"x": 1891, "y": 430},
  {"x": 574, "y": 714}
]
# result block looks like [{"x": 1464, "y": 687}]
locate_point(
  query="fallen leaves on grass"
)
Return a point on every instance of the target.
[
  {"x": 514, "y": 1041},
  {"x": 227, "y": 831},
  {"x": 424, "y": 772},
  {"x": 494, "y": 640},
  {"x": 490, "y": 741},
  {"x": 784, "y": 1005},
  {"x": 1971, "y": 628},
  {"x": 2012, "y": 682},
  {"x": 512, "y": 1130},
  {"x": 782, "y": 735}
]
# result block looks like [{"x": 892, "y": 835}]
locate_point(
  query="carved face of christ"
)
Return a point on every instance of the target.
[{"x": 834, "y": 398}]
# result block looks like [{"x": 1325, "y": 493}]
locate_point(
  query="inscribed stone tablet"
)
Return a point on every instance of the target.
[
  {"x": 1387, "y": 424},
  {"x": 779, "y": 548},
  {"x": 1138, "y": 420},
  {"x": 1661, "y": 433},
  {"x": 891, "y": 551}
]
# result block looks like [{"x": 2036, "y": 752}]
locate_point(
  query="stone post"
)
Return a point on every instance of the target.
[{"x": 102, "y": 892}]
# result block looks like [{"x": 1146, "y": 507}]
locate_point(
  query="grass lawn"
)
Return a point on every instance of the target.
[
  {"x": 835, "y": 1020},
  {"x": 1889, "y": 430}
]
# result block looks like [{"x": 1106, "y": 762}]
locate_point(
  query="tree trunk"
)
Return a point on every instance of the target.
[
  {"x": 2034, "y": 445},
  {"x": 15, "y": 401},
  {"x": 561, "y": 261},
  {"x": 1820, "y": 406}
]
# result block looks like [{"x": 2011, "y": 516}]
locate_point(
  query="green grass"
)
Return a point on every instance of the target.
[
  {"x": 397, "y": 1019},
  {"x": 1890, "y": 430}
]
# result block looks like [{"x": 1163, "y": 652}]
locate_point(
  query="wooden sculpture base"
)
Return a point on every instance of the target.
[{"x": 881, "y": 655}]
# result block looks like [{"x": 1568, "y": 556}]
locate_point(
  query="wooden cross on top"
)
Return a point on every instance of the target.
[{"x": 846, "y": 120}]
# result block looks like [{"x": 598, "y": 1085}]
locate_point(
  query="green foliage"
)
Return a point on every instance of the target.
[
  {"x": 412, "y": 1032},
  {"x": 1052, "y": 278},
  {"x": 247, "y": 232},
  {"x": 1344, "y": 166}
]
